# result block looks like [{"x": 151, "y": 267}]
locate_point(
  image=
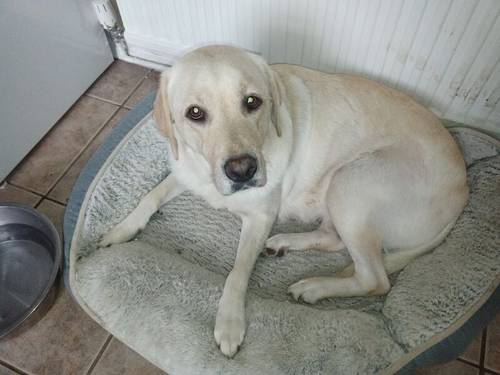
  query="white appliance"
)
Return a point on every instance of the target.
[{"x": 51, "y": 52}]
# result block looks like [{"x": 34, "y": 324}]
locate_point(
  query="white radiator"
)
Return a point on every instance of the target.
[{"x": 445, "y": 53}]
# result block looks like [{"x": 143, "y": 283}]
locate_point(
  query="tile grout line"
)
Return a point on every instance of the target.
[
  {"x": 37, "y": 204},
  {"x": 25, "y": 189},
  {"x": 482, "y": 355},
  {"x": 43, "y": 196},
  {"x": 135, "y": 88},
  {"x": 96, "y": 134},
  {"x": 12, "y": 367},
  {"x": 467, "y": 362},
  {"x": 40, "y": 197},
  {"x": 77, "y": 156},
  {"x": 29, "y": 154},
  {"x": 98, "y": 357},
  {"x": 46, "y": 198},
  {"x": 122, "y": 104},
  {"x": 119, "y": 106},
  {"x": 51, "y": 129},
  {"x": 101, "y": 99},
  {"x": 69, "y": 165},
  {"x": 145, "y": 78}
]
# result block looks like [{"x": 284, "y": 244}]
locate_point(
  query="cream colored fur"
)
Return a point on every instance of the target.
[{"x": 378, "y": 169}]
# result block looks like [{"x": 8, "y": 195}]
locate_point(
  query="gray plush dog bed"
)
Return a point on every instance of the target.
[{"x": 159, "y": 293}]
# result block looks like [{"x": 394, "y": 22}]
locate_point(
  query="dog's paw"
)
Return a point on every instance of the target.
[
  {"x": 123, "y": 232},
  {"x": 307, "y": 290},
  {"x": 229, "y": 331},
  {"x": 276, "y": 246}
]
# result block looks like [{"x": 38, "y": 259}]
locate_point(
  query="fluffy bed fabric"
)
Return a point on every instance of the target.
[{"x": 159, "y": 293}]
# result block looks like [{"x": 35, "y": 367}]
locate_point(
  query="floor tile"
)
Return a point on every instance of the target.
[
  {"x": 55, "y": 212},
  {"x": 118, "y": 81},
  {"x": 473, "y": 352},
  {"x": 450, "y": 368},
  {"x": 149, "y": 84},
  {"x": 12, "y": 194},
  {"x": 65, "y": 341},
  {"x": 492, "y": 359},
  {"x": 46, "y": 163},
  {"x": 119, "y": 359},
  {"x": 63, "y": 188}
]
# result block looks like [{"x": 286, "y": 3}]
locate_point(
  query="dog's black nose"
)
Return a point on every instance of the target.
[{"x": 240, "y": 168}]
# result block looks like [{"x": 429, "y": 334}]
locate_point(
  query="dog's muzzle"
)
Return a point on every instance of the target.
[{"x": 241, "y": 170}]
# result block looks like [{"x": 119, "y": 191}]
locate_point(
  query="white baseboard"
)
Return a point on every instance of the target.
[{"x": 157, "y": 50}]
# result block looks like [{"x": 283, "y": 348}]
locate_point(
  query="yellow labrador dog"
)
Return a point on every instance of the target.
[{"x": 274, "y": 142}]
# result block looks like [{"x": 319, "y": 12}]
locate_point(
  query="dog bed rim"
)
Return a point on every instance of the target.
[
  {"x": 408, "y": 357},
  {"x": 88, "y": 179},
  {"x": 97, "y": 165}
]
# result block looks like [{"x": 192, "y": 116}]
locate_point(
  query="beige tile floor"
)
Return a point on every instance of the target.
[{"x": 66, "y": 340}]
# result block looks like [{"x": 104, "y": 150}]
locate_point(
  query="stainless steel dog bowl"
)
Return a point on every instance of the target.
[{"x": 30, "y": 260}]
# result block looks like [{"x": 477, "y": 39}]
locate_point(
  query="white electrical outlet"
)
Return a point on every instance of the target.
[{"x": 105, "y": 14}]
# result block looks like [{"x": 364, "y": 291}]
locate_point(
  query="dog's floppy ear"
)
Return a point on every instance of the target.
[
  {"x": 276, "y": 88},
  {"x": 162, "y": 116}
]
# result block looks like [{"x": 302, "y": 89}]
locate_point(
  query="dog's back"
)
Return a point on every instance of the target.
[{"x": 359, "y": 124}]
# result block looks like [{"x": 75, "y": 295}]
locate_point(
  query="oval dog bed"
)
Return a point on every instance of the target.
[{"x": 159, "y": 293}]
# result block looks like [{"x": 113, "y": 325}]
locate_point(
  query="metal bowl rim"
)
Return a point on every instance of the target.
[{"x": 55, "y": 271}]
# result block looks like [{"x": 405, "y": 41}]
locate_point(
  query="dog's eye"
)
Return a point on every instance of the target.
[
  {"x": 195, "y": 113},
  {"x": 252, "y": 102}
]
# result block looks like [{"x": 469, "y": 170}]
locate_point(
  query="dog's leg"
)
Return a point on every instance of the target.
[
  {"x": 324, "y": 238},
  {"x": 352, "y": 209},
  {"x": 369, "y": 277},
  {"x": 230, "y": 321},
  {"x": 139, "y": 217}
]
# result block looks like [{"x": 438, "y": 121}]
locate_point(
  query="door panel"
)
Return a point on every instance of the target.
[{"x": 50, "y": 53}]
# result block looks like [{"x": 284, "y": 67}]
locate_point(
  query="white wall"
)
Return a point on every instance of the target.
[{"x": 445, "y": 53}]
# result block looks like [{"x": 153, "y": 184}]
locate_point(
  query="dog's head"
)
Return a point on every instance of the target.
[{"x": 221, "y": 103}]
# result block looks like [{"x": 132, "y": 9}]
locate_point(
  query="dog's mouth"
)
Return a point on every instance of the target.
[{"x": 240, "y": 186}]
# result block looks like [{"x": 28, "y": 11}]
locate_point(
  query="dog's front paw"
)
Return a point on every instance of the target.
[
  {"x": 276, "y": 246},
  {"x": 307, "y": 290},
  {"x": 123, "y": 232},
  {"x": 229, "y": 330}
]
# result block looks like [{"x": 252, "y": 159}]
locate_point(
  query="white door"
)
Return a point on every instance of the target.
[{"x": 50, "y": 53}]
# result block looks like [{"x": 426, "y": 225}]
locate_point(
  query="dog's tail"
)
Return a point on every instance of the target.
[{"x": 396, "y": 261}]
